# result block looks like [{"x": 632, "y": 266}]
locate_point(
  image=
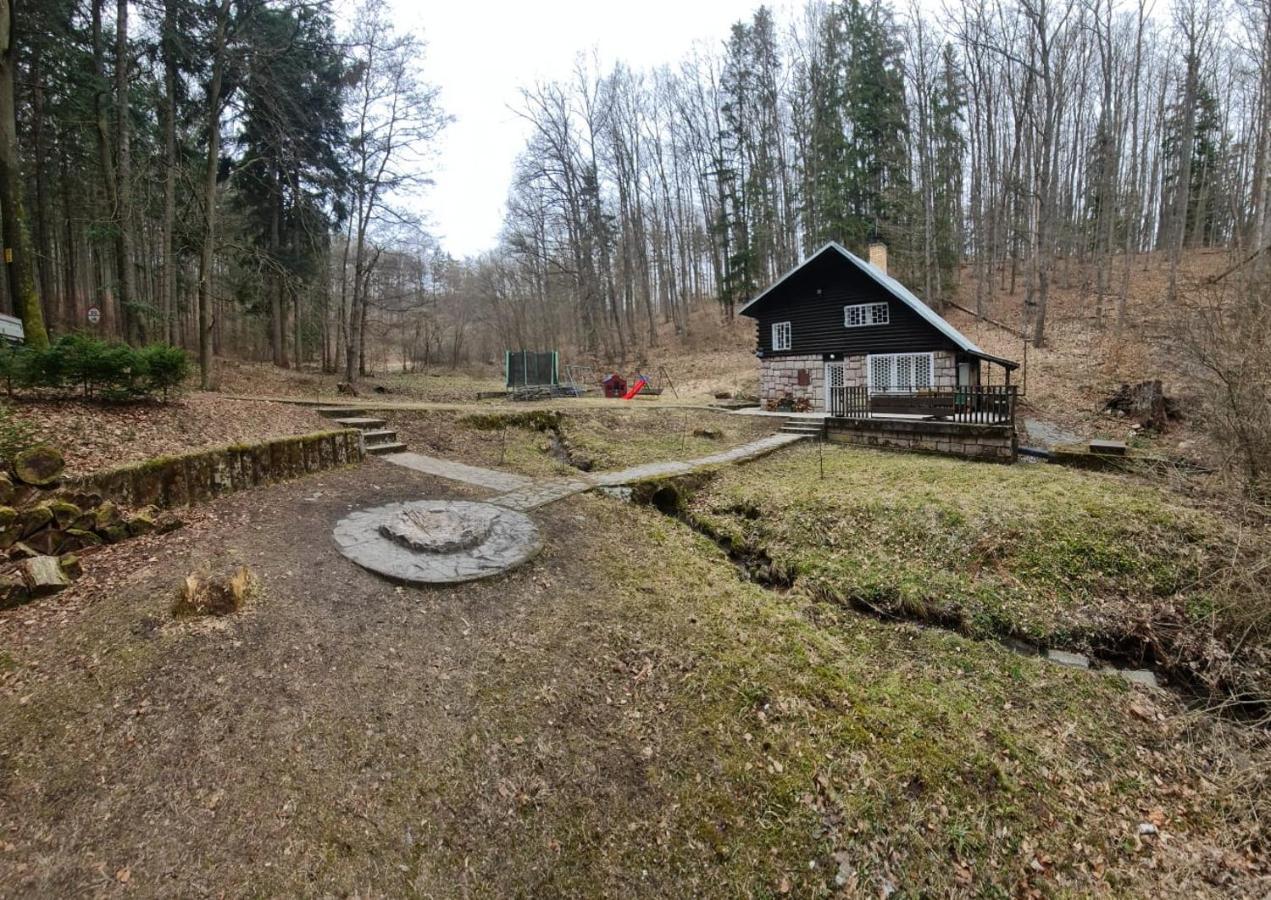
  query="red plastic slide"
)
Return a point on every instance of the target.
[{"x": 636, "y": 388}]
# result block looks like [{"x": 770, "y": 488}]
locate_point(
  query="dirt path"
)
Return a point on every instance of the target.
[{"x": 305, "y": 743}]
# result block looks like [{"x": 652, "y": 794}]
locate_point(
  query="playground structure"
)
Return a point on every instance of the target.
[
  {"x": 614, "y": 385},
  {"x": 535, "y": 375},
  {"x": 532, "y": 375},
  {"x": 531, "y": 368}
]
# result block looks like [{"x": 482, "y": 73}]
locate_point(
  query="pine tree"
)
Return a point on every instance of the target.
[{"x": 289, "y": 176}]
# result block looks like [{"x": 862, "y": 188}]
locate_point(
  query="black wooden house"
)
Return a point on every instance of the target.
[{"x": 837, "y": 329}]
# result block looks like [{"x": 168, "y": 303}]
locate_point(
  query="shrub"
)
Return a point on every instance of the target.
[
  {"x": 112, "y": 371},
  {"x": 167, "y": 367}
]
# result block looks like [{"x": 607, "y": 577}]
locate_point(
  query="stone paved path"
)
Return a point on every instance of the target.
[
  {"x": 522, "y": 493},
  {"x": 542, "y": 493},
  {"x": 457, "y": 471}
]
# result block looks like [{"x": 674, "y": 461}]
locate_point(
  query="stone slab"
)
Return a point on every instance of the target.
[
  {"x": 506, "y": 538},
  {"x": 1064, "y": 658},
  {"x": 456, "y": 471}
]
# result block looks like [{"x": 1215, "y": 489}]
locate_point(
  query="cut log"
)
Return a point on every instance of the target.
[
  {"x": 40, "y": 466},
  {"x": 43, "y": 575}
]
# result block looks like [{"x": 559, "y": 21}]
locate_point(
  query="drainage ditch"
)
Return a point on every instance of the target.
[{"x": 1136, "y": 657}]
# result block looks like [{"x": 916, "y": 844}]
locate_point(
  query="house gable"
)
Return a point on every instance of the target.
[
  {"x": 812, "y": 296},
  {"x": 812, "y": 299}
]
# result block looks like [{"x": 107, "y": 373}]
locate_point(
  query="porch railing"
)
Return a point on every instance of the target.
[{"x": 978, "y": 404}]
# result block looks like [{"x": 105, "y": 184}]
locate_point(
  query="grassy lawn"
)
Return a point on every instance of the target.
[
  {"x": 1039, "y": 552},
  {"x": 624, "y": 716},
  {"x": 603, "y": 439}
]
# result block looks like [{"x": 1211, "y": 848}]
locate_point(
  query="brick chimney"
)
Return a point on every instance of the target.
[{"x": 878, "y": 255}]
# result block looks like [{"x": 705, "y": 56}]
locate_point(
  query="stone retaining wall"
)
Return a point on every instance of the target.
[
  {"x": 171, "y": 481},
  {"x": 992, "y": 443}
]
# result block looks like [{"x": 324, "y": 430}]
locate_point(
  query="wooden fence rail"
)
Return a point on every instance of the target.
[{"x": 978, "y": 404}]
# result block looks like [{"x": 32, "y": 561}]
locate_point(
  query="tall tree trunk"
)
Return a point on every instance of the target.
[
  {"x": 167, "y": 252},
  {"x": 18, "y": 253},
  {"x": 277, "y": 326},
  {"x": 106, "y": 163},
  {"x": 129, "y": 302},
  {"x": 213, "y": 127},
  {"x": 43, "y": 209}
]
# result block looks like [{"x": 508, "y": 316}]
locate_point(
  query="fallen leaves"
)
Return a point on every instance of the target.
[{"x": 95, "y": 436}]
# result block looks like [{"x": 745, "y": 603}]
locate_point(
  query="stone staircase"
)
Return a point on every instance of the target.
[
  {"x": 377, "y": 438},
  {"x": 813, "y": 428}
]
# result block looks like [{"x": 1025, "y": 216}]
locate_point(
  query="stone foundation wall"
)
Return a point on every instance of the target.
[
  {"x": 193, "y": 477},
  {"x": 779, "y": 376},
  {"x": 991, "y": 443},
  {"x": 946, "y": 366}
]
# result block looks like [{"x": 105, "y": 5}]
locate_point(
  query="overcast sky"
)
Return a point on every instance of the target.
[{"x": 480, "y": 53}]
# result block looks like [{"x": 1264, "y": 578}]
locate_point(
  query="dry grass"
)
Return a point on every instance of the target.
[
  {"x": 1083, "y": 364},
  {"x": 249, "y": 379},
  {"x": 622, "y": 717},
  {"x": 607, "y": 439}
]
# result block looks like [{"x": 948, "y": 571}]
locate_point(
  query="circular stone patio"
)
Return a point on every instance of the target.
[{"x": 437, "y": 541}]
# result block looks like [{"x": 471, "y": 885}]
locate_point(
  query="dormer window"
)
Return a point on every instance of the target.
[
  {"x": 861, "y": 315},
  {"x": 780, "y": 335}
]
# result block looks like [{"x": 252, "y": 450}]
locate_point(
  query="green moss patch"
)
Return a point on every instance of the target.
[{"x": 1054, "y": 556}]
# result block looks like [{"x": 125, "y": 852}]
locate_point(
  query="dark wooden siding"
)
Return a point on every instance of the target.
[{"x": 812, "y": 301}]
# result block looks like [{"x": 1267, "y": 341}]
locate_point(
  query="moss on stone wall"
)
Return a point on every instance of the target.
[{"x": 169, "y": 481}]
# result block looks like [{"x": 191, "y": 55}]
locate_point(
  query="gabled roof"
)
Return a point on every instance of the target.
[{"x": 897, "y": 290}]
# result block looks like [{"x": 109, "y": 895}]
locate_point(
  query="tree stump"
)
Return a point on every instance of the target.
[{"x": 1144, "y": 402}]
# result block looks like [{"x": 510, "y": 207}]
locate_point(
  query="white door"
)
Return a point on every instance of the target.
[{"x": 835, "y": 377}]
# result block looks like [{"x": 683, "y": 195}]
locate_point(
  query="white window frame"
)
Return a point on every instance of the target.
[
  {"x": 868, "y": 314},
  {"x": 777, "y": 333},
  {"x": 869, "y": 372}
]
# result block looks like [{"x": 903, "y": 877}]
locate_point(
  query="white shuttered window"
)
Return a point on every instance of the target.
[
  {"x": 862, "y": 314},
  {"x": 901, "y": 373},
  {"x": 780, "y": 335}
]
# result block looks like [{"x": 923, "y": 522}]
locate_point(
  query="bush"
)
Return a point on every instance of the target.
[
  {"x": 1226, "y": 354},
  {"x": 167, "y": 367},
  {"x": 97, "y": 368}
]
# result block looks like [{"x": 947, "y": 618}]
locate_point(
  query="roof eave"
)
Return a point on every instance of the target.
[{"x": 999, "y": 360}]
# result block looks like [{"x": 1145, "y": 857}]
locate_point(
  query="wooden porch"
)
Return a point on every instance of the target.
[{"x": 971, "y": 404}]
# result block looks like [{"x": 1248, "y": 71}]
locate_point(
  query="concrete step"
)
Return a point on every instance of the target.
[
  {"x": 377, "y": 449},
  {"x": 366, "y": 423},
  {"x": 336, "y": 412},
  {"x": 791, "y": 428},
  {"x": 379, "y": 436}
]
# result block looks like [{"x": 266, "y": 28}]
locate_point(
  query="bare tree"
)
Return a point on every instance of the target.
[{"x": 394, "y": 118}]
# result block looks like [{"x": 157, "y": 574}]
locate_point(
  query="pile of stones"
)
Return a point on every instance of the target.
[{"x": 44, "y": 526}]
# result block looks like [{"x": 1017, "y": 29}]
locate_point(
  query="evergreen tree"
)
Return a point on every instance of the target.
[
  {"x": 289, "y": 175},
  {"x": 876, "y": 164},
  {"x": 949, "y": 149}
]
